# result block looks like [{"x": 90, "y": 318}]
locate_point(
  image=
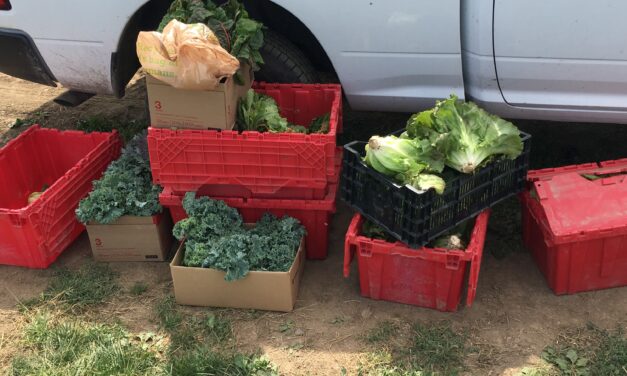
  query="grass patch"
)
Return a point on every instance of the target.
[
  {"x": 77, "y": 348},
  {"x": 70, "y": 347},
  {"x": 36, "y": 118},
  {"x": 199, "y": 345},
  {"x": 139, "y": 288},
  {"x": 544, "y": 369},
  {"x": 204, "y": 361},
  {"x": 216, "y": 329},
  {"x": 382, "y": 364},
  {"x": 430, "y": 350},
  {"x": 436, "y": 350},
  {"x": 168, "y": 314},
  {"x": 588, "y": 351},
  {"x": 126, "y": 129},
  {"x": 209, "y": 329},
  {"x": 382, "y": 332},
  {"x": 91, "y": 284}
]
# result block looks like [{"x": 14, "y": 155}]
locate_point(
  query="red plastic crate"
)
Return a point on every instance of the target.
[
  {"x": 252, "y": 164},
  {"x": 426, "y": 277},
  {"x": 576, "y": 229},
  {"x": 35, "y": 235},
  {"x": 315, "y": 215}
]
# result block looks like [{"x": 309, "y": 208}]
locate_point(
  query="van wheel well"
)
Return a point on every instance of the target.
[
  {"x": 281, "y": 21},
  {"x": 124, "y": 62}
]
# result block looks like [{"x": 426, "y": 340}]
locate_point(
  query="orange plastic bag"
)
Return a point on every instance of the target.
[{"x": 185, "y": 56}]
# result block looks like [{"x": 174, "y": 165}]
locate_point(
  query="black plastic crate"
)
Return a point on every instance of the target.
[{"x": 416, "y": 218}]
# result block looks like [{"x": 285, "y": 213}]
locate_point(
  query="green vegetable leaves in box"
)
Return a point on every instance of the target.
[
  {"x": 215, "y": 237},
  {"x": 230, "y": 22},
  {"x": 125, "y": 188}
]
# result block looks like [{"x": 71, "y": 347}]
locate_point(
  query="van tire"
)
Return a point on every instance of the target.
[{"x": 284, "y": 62}]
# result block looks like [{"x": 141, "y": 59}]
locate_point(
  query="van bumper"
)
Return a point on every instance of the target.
[{"x": 20, "y": 58}]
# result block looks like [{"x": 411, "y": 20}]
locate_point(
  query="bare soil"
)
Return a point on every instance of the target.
[{"x": 514, "y": 317}]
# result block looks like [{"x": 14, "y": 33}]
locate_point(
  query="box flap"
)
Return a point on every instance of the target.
[{"x": 577, "y": 206}]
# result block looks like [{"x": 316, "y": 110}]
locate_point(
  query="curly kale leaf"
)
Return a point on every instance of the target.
[
  {"x": 125, "y": 188},
  {"x": 215, "y": 238},
  {"x": 195, "y": 253},
  {"x": 207, "y": 219},
  {"x": 229, "y": 254},
  {"x": 276, "y": 243}
]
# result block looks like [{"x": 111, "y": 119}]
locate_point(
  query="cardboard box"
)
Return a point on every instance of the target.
[
  {"x": 195, "y": 109},
  {"x": 132, "y": 238},
  {"x": 271, "y": 291}
]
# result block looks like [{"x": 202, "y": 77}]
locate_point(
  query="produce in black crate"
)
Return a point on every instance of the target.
[
  {"x": 125, "y": 188},
  {"x": 457, "y": 134},
  {"x": 406, "y": 160},
  {"x": 467, "y": 136},
  {"x": 215, "y": 237}
]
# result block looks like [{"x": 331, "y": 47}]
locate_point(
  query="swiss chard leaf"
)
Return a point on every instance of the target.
[{"x": 230, "y": 22}]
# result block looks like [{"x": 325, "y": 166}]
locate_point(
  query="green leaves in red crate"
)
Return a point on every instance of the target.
[
  {"x": 215, "y": 237},
  {"x": 259, "y": 112},
  {"x": 125, "y": 188}
]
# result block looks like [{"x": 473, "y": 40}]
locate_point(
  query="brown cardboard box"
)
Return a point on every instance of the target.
[
  {"x": 195, "y": 109},
  {"x": 132, "y": 238},
  {"x": 272, "y": 291}
]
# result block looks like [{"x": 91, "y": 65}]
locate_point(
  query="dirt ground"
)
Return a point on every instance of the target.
[{"x": 514, "y": 317}]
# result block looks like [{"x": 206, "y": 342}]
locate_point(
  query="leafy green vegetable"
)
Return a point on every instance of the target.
[
  {"x": 215, "y": 237},
  {"x": 391, "y": 155},
  {"x": 373, "y": 231},
  {"x": 260, "y": 112},
  {"x": 230, "y": 22},
  {"x": 466, "y": 135},
  {"x": 207, "y": 221},
  {"x": 455, "y": 238},
  {"x": 407, "y": 160},
  {"x": 457, "y": 134},
  {"x": 125, "y": 188},
  {"x": 424, "y": 182},
  {"x": 320, "y": 124}
]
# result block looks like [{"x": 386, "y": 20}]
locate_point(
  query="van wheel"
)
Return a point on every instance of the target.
[{"x": 284, "y": 62}]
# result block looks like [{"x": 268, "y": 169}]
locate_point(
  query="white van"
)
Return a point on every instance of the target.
[{"x": 557, "y": 60}]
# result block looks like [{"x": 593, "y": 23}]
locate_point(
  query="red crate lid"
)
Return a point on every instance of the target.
[{"x": 577, "y": 207}]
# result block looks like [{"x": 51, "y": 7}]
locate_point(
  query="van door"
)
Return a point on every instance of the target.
[{"x": 562, "y": 53}]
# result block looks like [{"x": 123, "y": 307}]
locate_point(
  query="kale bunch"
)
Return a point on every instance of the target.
[
  {"x": 215, "y": 237},
  {"x": 125, "y": 188},
  {"x": 230, "y": 22}
]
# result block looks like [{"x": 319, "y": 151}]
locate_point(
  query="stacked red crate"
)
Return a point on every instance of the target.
[{"x": 255, "y": 169}]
